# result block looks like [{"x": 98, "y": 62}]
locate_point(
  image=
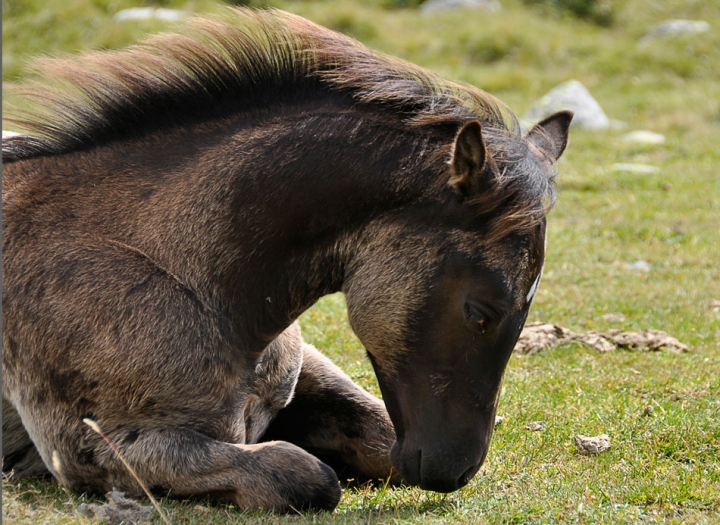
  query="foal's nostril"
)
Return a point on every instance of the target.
[{"x": 467, "y": 475}]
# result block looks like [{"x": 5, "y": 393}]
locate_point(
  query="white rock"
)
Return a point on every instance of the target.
[
  {"x": 144, "y": 13},
  {"x": 644, "y": 137},
  {"x": 642, "y": 266},
  {"x": 433, "y": 6},
  {"x": 673, "y": 28},
  {"x": 6, "y": 134},
  {"x": 614, "y": 317},
  {"x": 574, "y": 96},
  {"x": 635, "y": 168}
]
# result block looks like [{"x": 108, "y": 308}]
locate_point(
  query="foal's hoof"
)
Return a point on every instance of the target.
[
  {"x": 323, "y": 495},
  {"x": 292, "y": 481}
]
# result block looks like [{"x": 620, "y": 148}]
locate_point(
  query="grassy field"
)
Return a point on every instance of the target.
[{"x": 661, "y": 410}]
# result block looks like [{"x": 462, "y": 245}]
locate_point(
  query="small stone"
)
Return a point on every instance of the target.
[
  {"x": 144, "y": 13},
  {"x": 433, "y": 6},
  {"x": 644, "y": 137},
  {"x": 635, "y": 168},
  {"x": 574, "y": 96},
  {"x": 535, "y": 426},
  {"x": 674, "y": 28},
  {"x": 614, "y": 317},
  {"x": 648, "y": 411},
  {"x": 642, "y": 266},
  {"x": 592, "y": 446},
  {"x": 498, "y": 420}
]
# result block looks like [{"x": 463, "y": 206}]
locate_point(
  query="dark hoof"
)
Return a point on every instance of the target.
[{"x": 322, "y": 496}]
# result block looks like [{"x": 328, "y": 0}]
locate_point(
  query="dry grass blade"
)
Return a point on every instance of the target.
[{"x": 92, "y": 424}]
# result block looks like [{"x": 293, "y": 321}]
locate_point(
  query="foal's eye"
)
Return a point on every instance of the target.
[{"x": 475, "y": 318}]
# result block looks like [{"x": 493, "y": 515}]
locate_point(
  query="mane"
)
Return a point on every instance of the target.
[
  {"x": 248, "y": 60},
  {"x": 241, "y": 61}
]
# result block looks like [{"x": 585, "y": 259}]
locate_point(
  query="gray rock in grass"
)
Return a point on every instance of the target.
[
  {"x": 674, "y": 28},
  {"x": 433, "y": 6},
  {"x": 574, "y": 96},
  {"x": 144, "y": 13},
  {"x": 634, "y": 167},
  {"x": 643, "y": 136}
]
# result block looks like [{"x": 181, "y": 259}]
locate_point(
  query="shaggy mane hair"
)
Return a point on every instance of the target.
[
  {"x": 244, "y": 60},
  {"x": 248, "y": 60}
]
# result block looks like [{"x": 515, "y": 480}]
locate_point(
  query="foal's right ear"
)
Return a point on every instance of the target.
[
  {"x": 469, "y": 157},
  {"x": 551, "y": 134}
]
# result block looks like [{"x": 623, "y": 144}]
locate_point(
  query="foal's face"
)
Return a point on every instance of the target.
[
  {"x": 439, "y": 308},
  {"x": 439, "y": 334}
]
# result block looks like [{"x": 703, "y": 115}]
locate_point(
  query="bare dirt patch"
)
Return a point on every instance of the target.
[
  {"x": 592, "y": 445},
  {"x": 540, "y": 336}
]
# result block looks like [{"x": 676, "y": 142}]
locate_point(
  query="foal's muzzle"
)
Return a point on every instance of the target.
[{"x": 437, "y": 470}]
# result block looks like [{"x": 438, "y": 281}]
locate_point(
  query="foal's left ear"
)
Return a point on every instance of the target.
[
  {"x": 550, "y": 135},
  {"x": 468, "y": 158}
]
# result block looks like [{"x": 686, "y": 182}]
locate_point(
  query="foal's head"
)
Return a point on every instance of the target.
[{"x": 440, "y": 293}]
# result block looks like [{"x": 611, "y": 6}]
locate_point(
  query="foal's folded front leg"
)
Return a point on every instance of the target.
[
  {"x": 334, "y": 419},
  {"x": 275, "y": 475}
]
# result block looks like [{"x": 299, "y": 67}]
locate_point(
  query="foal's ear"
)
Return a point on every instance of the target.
[
  {"x": 468, "y": 158},
  {"x": 550, "y": 135}
]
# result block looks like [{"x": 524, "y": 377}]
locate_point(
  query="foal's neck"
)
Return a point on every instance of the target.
[{"x": 274, "y": 212}]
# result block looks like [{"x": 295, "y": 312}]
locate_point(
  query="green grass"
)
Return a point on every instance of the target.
[{"x": 662, "y": 467}]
